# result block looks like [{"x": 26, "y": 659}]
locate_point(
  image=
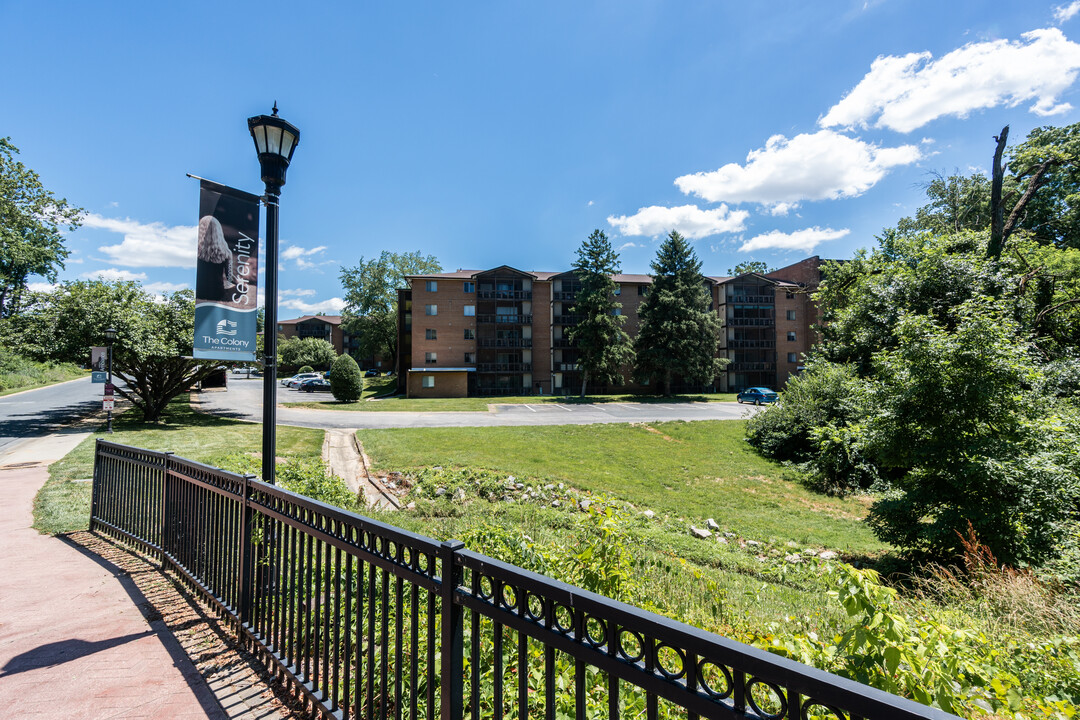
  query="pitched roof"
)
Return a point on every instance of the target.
[{"x": 331, "y": 319}]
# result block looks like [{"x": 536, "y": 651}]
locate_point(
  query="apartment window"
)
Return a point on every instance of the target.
[
  {"x": 430, "y": 334},
  {"x": 790, "y": 314},
  {"x": 431, "y": 357},
  {"x": 790, "y": 296},
  {"x": 470, "y": 334},
  {"x": 791, "y": 336},
  {"x": 640, "y": 289},
  {"x": 470, "y": 311},
  {"x": 431, "y": 309},
  {"x": 618, "y": 289},
  {"x": 470, "y": 287},
  {"x": 431, "y": 286},
  {"x": 792, "y": 357},
  {"x": 617, "y": 312},
  {"x": 427, "y": 381},
  {"x": 470, "y": 357}
]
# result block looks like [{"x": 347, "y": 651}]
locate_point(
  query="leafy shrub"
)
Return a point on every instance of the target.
[
  {"x": 306, "y": 369},
  {"x": 921, "y": 656},
  {"x": 346, "y": 381},
  {"x": 825, "y": 394},
  {"x": 305, "y": 476}
]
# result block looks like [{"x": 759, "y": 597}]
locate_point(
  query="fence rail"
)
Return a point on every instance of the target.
[{"x": 371, "y": 621}]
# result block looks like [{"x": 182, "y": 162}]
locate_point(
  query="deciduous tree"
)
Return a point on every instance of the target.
[
  {"x": 316, "y": 352},
  {"x": 31, "y": 223},
  {"x": 371, "y": 287}
]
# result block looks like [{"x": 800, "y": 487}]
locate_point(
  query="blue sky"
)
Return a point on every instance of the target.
[{"x": 491, "y": 133}]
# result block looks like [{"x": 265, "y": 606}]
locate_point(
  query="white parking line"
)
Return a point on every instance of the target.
[
  {"x": 562, "y": 407},
  {"x": 530, "y": 407}
]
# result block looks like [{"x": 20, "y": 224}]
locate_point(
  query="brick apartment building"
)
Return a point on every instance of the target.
[
  {"x": 325, "y": 327},
  {"x": 504, "y": 331}
]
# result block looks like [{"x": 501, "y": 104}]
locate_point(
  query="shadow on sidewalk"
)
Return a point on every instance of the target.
[
  {"x": 158, "y": 628},
  {"x": 57, "y": 653}
]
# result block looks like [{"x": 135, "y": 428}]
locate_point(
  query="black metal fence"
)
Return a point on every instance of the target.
[{"x": 371, "y": 621}]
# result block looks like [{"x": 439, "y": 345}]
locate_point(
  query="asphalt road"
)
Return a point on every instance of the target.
[
  {"x": 39, "y": 412},
  {"x": 243, "y": 400}
]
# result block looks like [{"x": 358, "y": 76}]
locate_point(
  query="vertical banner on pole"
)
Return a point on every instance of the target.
[{"x": 226, "y": 281}]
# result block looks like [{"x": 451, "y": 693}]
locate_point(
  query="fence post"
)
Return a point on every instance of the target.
[
  {"x": 165, "y": 509},
  {"x": 247, "y": 560},
  {"x": 452, "y": 680},
  {"x": 95, "y": 490}
]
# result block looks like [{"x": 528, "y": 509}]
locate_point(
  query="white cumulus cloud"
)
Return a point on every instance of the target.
[
  {"x": 39, "y": 287},
  {"x": 161, "y": 288},
  {"x": 147, "y": 244},
  {"x": 113, "y": 274},
  {"x": 296, "y": 293},
  {"x": 805, "y": 240},
  {"x": 1064, "y": 13},
  {"x": 811, "y": 166},
  {"x": 904, "y": 93},
  {"x": 333, "y": 306},
  {"x": 690, "y": 220}
]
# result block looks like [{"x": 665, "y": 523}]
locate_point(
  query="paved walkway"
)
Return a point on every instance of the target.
[{"x": 78, "y": 638}]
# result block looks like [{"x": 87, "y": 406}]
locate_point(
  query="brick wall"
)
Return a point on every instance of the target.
[
  {"x": 447, "y": 384},
  {"x": 449, "y": 324}
]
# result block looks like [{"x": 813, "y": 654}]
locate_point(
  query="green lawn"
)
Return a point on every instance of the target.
[
  {"x": 695, "y": 470},
  {"x": 63, "y": 504},
  {"x": 483, "y": 404}
]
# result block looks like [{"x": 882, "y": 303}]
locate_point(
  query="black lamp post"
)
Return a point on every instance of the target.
[
  {"x": 110, "y": 338},
  {"x": 275, "y": 141}
]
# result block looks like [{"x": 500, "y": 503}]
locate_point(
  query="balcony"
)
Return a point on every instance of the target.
[
  {"x": 506, "y": 342},
  {"x": 750, "y": 322},
  {"x": 752, "y": 367},
  {"x": 505, "y": 319},
  {"x": 567, "y": 367},
  {"x": 768, "y": 299},
  {"x": 751, "y": 344},
  {"x": 564, "y": 295},
  {"x": 562, "y": 343},
  {"x": 567, "y": 319},
  {"x": 504, "y": 367},
  {"x": 504, "y": 294}
]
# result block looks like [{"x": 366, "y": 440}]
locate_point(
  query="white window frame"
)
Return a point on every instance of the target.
[
  {"x": 470, "y": 310},
  {"x": 431, "y": 357},
  {"x": 432, "y": 309},
  {"x": 427, "y": 381},
  {"x": 431, "y": 285}
]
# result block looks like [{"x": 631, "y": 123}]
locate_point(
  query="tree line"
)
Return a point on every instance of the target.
[{"x": 947, "y": 377}]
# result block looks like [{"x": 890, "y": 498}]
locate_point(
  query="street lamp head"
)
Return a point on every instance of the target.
[
  {"x": 110, "y": 334},
  {"x": 275, "y": 142}
]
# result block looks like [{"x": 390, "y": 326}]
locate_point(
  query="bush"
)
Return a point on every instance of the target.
[
  {"x": 346, "y": 382},
  {"x": 825, "y": 394},
  {"x": 306, "y": 369}
]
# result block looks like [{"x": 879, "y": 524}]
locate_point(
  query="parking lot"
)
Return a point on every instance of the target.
[{"x": 243, "y": 400}]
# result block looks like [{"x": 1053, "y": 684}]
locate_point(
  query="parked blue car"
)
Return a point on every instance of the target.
[{"x": 758, "y": 395}]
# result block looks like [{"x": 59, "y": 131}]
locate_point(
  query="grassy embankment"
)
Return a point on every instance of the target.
[
  {"x": 374, "y": 387},
  {"x": 19, "y": 374},
  {"x": 684, "y": 472},
  {"x": 63, "y": 504}
]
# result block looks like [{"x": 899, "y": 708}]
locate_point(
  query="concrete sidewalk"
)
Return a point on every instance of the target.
[{"x": 74, "y": 642}]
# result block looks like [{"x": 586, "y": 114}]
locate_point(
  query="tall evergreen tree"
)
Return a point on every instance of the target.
[
  {"x": 603, "y": 346},
  {"x": 679, "y": 333}
]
